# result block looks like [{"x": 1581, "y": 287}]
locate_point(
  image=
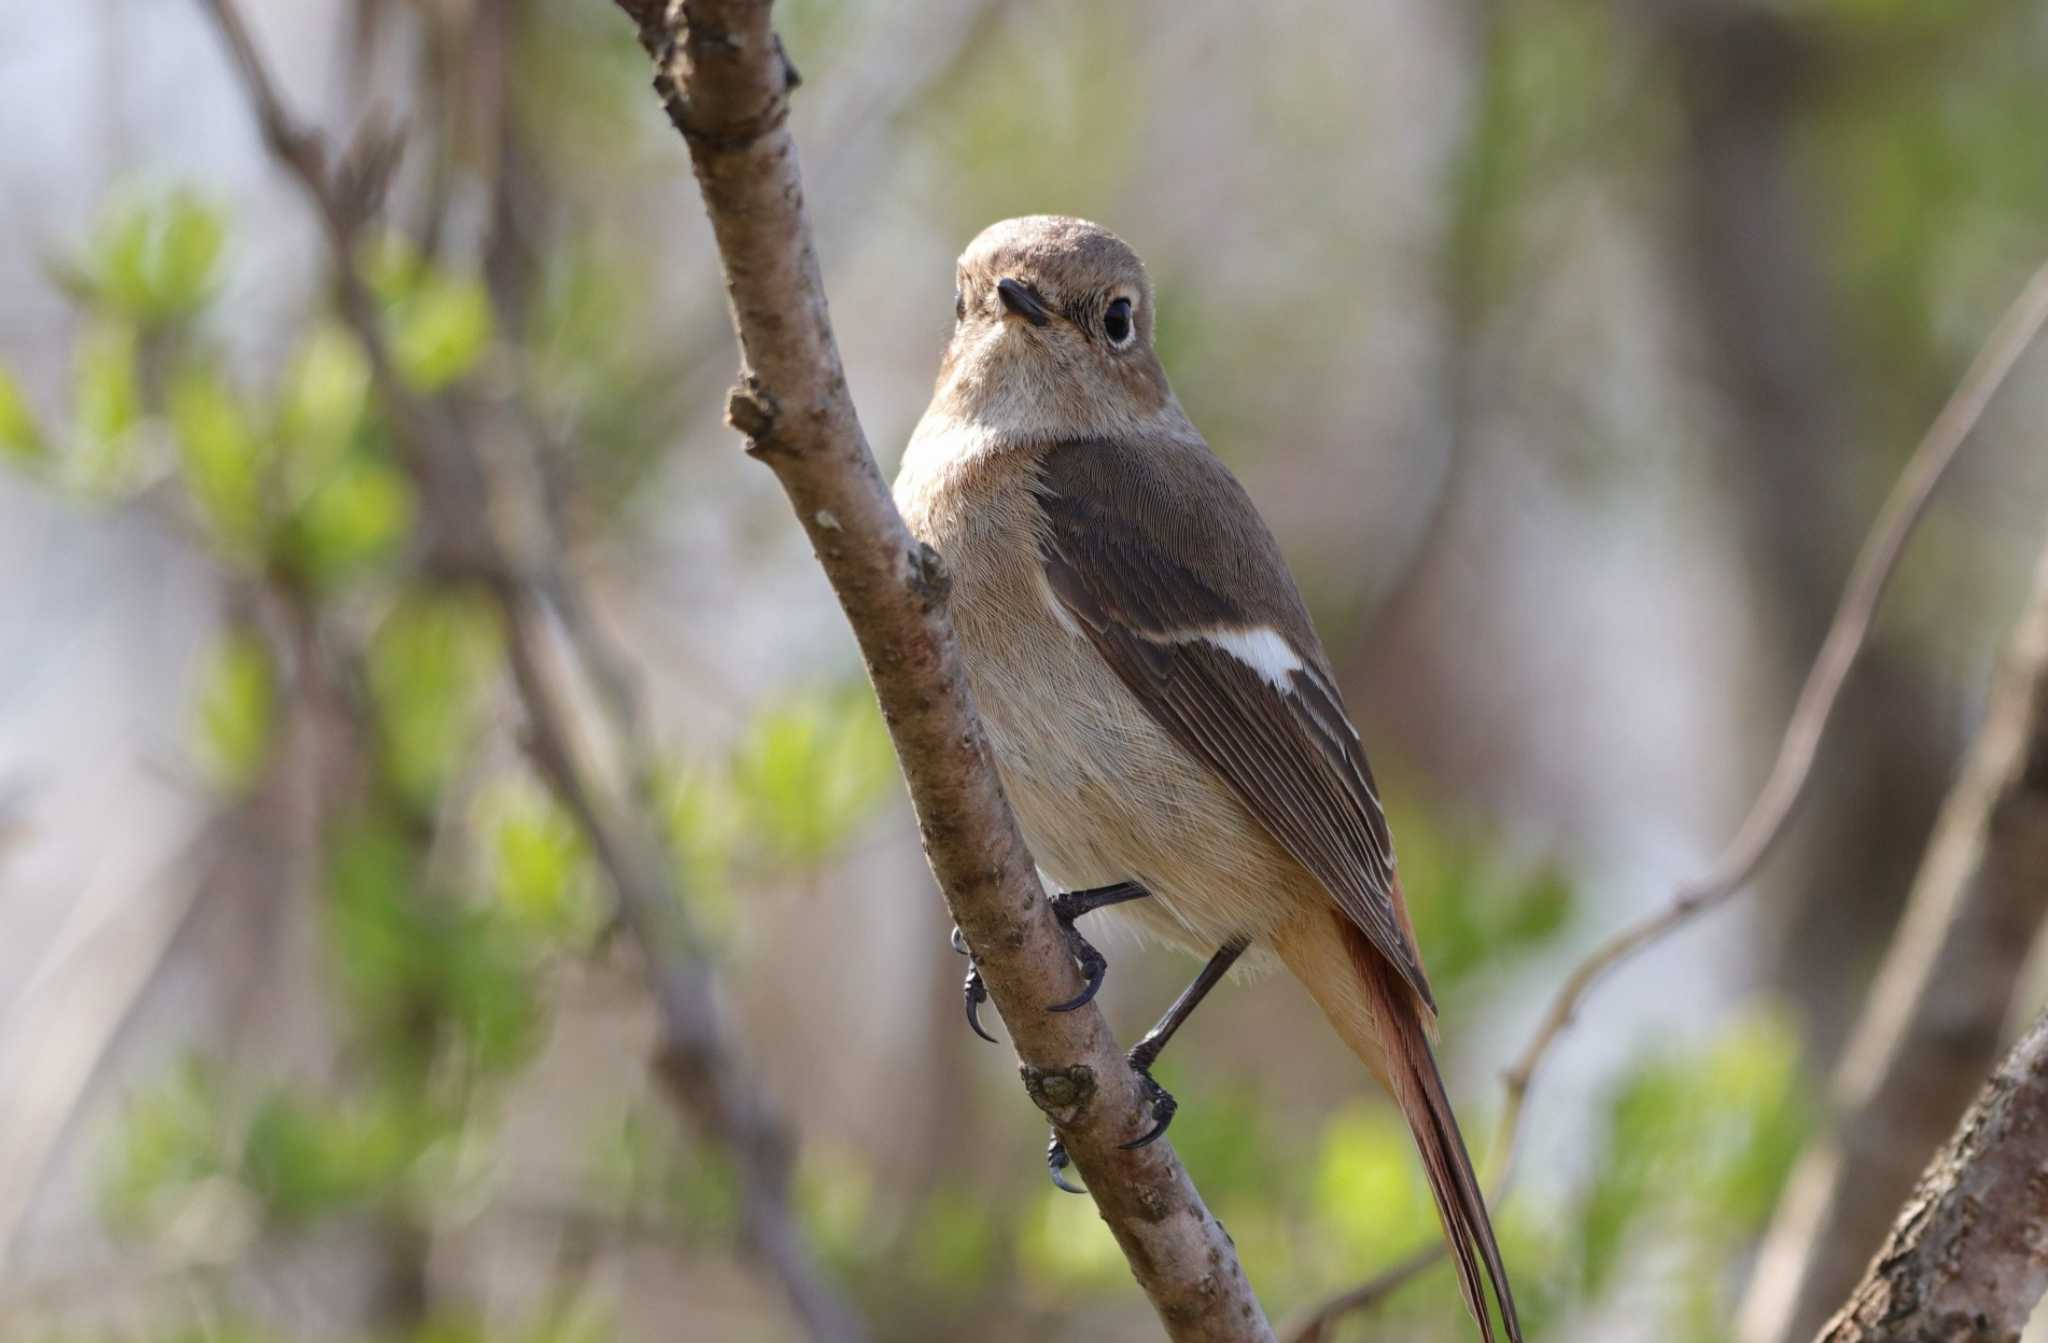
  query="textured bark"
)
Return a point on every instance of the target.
[
  {"x": 724, "y": 80},
  {"x": 1967, "y": 1260},
  {"x": 1931, "y": 1026}
]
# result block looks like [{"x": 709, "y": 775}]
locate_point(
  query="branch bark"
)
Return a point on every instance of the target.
[
  {"x": 1967, "y": 1260},
  {"x": 724, "y": 81},
  {"x": 1931, "y": 1025}
]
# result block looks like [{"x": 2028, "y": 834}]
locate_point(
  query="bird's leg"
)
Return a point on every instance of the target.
[
  {"x": 1158, "y": 1099},
  {"x": 1148, "y": 1050},
  {"x": 1068, "y": 906}
]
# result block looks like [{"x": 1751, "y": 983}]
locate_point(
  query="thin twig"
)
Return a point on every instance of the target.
[
  {"x": 1876, "y": 562},
  {"x": 1316, "y": 1325},
  {"x": 696, "y": 1064},
  {"x": 724, "y": 81},
  {"x": 700, "y": 1071}
]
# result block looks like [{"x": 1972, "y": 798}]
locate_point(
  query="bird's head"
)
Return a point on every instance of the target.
[{"x": 1052, "y": 334}]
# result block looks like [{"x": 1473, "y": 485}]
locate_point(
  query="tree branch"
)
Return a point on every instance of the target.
[
  {"x": 606, "y": 789},
  {"x": 1967, "y": 1260},
  {"x": 1769, "y": 814},
  {"x": 724, "y": 80},
  {"x": 1930, "y": 1028},
  {"x": 694, "y": 1062}
]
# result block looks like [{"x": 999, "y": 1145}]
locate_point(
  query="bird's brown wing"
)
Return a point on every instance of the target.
[{"x": 1159, "y": 557}]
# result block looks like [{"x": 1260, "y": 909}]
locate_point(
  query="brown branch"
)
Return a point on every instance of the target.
[
  {"x": 1930, "y": 1028},
  {"x": 1876, "y": 562},
  {"x": 723, "y": 78},
  {"x": 607, "y": 790},
  {"x": 613, "y": 805},
  {"x": 1967, "y": 1260}
]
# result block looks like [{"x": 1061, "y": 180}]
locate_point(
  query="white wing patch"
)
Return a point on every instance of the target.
[{"x": 1264, "y": 649}]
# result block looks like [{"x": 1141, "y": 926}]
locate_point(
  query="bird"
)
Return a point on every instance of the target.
[{"x": 1161, "y": 712}]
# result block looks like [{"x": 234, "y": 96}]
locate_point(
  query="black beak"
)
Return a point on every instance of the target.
[{"x": 1021, "y": 299}]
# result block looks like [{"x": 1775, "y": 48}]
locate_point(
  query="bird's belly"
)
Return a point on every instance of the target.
[
  {"x": 1104, "y": 795},
  {"x": 1101, "y": 792}
]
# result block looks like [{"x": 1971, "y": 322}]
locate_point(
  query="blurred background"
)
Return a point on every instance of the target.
[{"x": 1569, "y": 345}]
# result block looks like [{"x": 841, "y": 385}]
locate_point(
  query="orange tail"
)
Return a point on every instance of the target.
[{"x": 1385, "y": 1024}]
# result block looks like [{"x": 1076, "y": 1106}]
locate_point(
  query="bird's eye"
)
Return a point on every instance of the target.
[
  {"x": 959, "y": 306},
  {"x": 1116, "y": 323}
]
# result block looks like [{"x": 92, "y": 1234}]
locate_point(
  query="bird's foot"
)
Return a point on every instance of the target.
[
  {"x": 1160, "y": 1107},
  {"x": 1067, "y": 906},
  {"x": 1158, "y": 1101}
]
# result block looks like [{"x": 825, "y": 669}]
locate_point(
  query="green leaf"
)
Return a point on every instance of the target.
[
  {"x": 1698, "y": 1142},
  {"x": 371, "y": 882},
  {"x": 185, "y": 259},
  {"x": 439, "y": 325},
  {"x": 225, "y": 461},
  {"x": 307, "y": 1157},
  {"x": 1368, "y": 1190},
  {"x": 1473, "y": 907},
  {"x": 809, "y": 770},
  {"x": 488, "y": 995},
  {"x": 392, "y": 267},
  {"x": 441, "y": 332},
  {"x": 116, "y": 266},
  {"x": 540, "y": 866},
  {"x": 237, "y": 711},
  {"x": 444, "y": 992},
  {"x": 349, "y": 507},
  {"x": 429, "y": 661},
  {"x": 1753, "y": 1070},
  {"x": 704, "y": 821},
  {"x": 169, "y": 1138},
  {"x": 154, "y": 264},
  {"x": 323, "y": 401},
  {"x": 354, "y": 519},
  {"x": 107, "y": 404},
  {"x": 21, "y": 441}
]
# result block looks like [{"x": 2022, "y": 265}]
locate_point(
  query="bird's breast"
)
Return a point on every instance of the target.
[{"x": 1102, "y": 793}]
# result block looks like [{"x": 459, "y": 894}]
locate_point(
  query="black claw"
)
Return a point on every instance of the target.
[
  {"x": 1056, "y": 1164},
  {"x": 1068, "y": 906},
  {"x": 1093, "y": 968},
  {"x": 1162, "y": 1104},
  {"x": 976, "y": 992}
]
